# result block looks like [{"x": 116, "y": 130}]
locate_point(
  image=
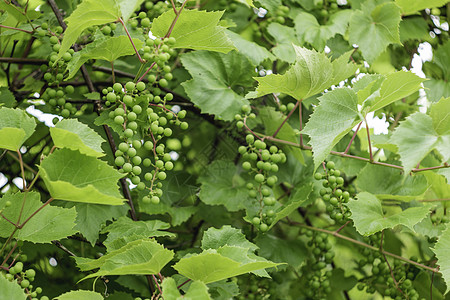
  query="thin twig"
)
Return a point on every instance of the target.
[
  {"x": 63, "y": 248},
  {"x": 131, "y": 40},
  {"x": 14, "y": 28},
  {"x": 368, "y": 138},
  {"x": 287, "y": 117},
  {"x": 353, "y": 137}
]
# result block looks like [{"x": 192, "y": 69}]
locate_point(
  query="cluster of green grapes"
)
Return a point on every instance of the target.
[
  {"x": 159, "y": 51},
  {"x": 156, "y": 8},
  {"x": 333, "y": 193},
  {"x": 57, "y": 99},
  {"x": 381, "y": 279},
  {"x": 145, "y": 119},
  {"x": 252, "y": 287},
  {"x": 23, "y": 277},
  {"x": 317, "y": 269}
]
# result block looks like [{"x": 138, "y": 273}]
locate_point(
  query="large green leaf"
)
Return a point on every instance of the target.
[
  {"x": 272, "y": 120},
  {"x": 440, "y": 114},
  {"x": 88, "y": 13},
  {"x": 410, "y": 7},
  {"x": 80, "y": 294},
  {"x": 6, "y": 97},
  {"x": 108, "y": 49},
  {"x": 50, "y": 223},
  {"x": 15, "y": 128},
  {"x": 215, "y": 77},
  {"x": 70, "y": 133},
  {"x": 11, "y": 289},
  {"x": 140, "y": 257},
  {"x": 125, "y": 227},
  {"x": 389, "y": 183},
  {"x": 280, "y": 250},
  {"x": 311, "y": 74},
  {"x": 442, "y": 251},
  {"x": 220, "y": 186},
  {"x": 368, "y": 216},
  {"x": 91, "y": 217},
  {"x": 309, "y": 29},
  {"x": 195, "y": 29},
  {"x": 436, "y": 89},
  {"x": 416, "y": 137},
  {"x": 226, "y": 236},
  {"x": 128, "y": 7},
  {"x": 336, "y": 115},
  {"x": 284, "y": 38},
  {"x": 395, "y": 86},
  {"x": 254, "y": 52},
  {"x": 374, "y": 27},
  {"x": 72, "y": 176},
  {"x": 217, "y": 264}
]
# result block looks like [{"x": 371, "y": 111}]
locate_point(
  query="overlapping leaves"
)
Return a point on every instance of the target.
[{"x": 15, "y": 128}]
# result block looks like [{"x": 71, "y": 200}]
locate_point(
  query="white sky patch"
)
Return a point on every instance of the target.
[
  {"x": 43, "y": 117},
  {"x": 3, "y": 180},
  {"x": 18, "y": 182}
]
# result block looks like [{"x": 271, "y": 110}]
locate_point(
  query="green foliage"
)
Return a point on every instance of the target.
[
  {"x": 224, "y": 149},
  {"x": 15, "y": 128}
]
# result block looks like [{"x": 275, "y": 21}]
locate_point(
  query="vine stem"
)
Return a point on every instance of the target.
[
  {"x": 131, "y": 40},
  {"x": 368, "y": 139},
  {"x": 353, "y": 138},
  {"x": 14, "y": 28},
  {"x": 346, "y": 238},
  {"x": 287, "y": 117}
]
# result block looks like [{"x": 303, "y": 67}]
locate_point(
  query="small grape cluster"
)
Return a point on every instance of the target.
[
  {"x": 24, "y": 277},
  {"x": 279, "y": 15},
  {"x": 156, "y": 8},
  {"x": 316, "y": 269},
  {"x": 57, "y": 98},
  {"x": 253, "y": 287},
  {"x": 333, "y": 194},
  {"x": 144, "y": 124},
  {"x": 381, "y": 279},
  {"x": 159, "y": 52},
  {"x": 56, "y": 67}
]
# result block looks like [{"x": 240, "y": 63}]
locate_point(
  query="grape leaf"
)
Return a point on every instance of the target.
[
  {"x": 108, "y": 49},
  {"x": 292, "y": 252},
  {"x": 128, "y": 7},
  {"x": 215, "y": 77},
  {"x": 124, "y": 226},
  {"x": 410, "y": 7},
  {"x": 72, "y": 176},
  {"x": 70, "y": 133},
  {"x": 141, "y": 257},
  {"x": 436, "y": 89},
  {"x": 389, "y": 183},
  {"x": 254, "y": 52},
  {"x": 272, "y": 119},
  {"x": 368, "y": 217},
  {"x": 309, "y": 29},
  {"x": 15, "y": 128},
  {"x": 91, "y": 217},
  {"x": 440, "y": 114},
  {"x": 225, "y": 236},
  {"x": 80, "y": 294},
  {"x": 299, "y": 196},
  {"x": 442, "y": 250},
  {"x": 309, "y": 75},
  {"x": 197, "y": 290},
  {"x": 11, "y": 289},
  {"x": 395, "y": 86},
  {"x": 374, "y": 27},
  {"x": 50, "y": 223},
  {"x": 217, "y": 264},
  {"x": 219, "y": 186},
  {"x": 416, "y": 137},
  {"x": 6, "y": 97},
  {"x": 88, "y": 13},
  {"x": 335, "y": 116},
  {"x": 414, "y": 28},
  {"x": 284, "y": 37},
  {"x": 195, "y": 29}
]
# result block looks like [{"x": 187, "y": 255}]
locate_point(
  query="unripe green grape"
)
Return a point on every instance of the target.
[
  {"x": 148, "y": 145},
  {"x": 330, "y": 165},
  {"x": 340, "y": 180},
  {"x": 8, "y": 203},
  {"x": 136, "y": 144},
  {"x": 263, "y": 227},
  {"x": 129, "y": 86},
  {"x": 160, "y": 130},
  {"x": 184, "y": 125},
  {"x": 163, "y": 82},
  {"x": 159, "y": 164},
  {"x": 48, "y": 76},
  {"x": 18, "y": 267},
  {"x": 250, "y": 139},
  {"x": 274, "y": 168},
  {"x": 252, "y": 193},
  {"x": 124, "y": 147},
  {"x": 246, "y": 166},
  {"x": 162, "y": 175},
  {"x": 54, "y": 39},
  {"x": 127, "y": 167},
  {"x": 128, "y": 100},
  {"x": 132, "y": 125},
  {"x": 136, "y": 180},
  {"x": 119, "y": 120},
  {"x": 168, "y": 97},
  {"x": 140, "y": 86},
  {"x": 131, "y": 152},
  {"x": 246, "y": 108},
  {"x": 137, "y": 109},
  {"x": 119, "y": 111},
  {"x": 137, "y": 170},
  {"x": 163, "y": 121},
  {"x": 111, "y": 97},
  {"x": 146, "y": 200},
  {"x": 151, "y": 78},
  {"x": 136, "y": 160},
  {"x": 52, "y": 102},
  {"x": 168, "y": 165},
  {"x": 260, "y": 144},
  {"x": 155, "y": 200},
  {"x": 119, "y": 161},
  {"x": 70, "y": 89},
  {"x": 147, "y": 162},
  {"x": 106, "y": 30},
  {"x": 272, "y": 180},
  {"x": 117, "y": 87},
  {"x": 265, "y": 155},
  {"x": 159, "y": 149},
  {"x": 167, "y": 132},
  {"x": 24, "y": 283},
  {"x": 67, "y": 56},
  {"x": 256, "y": 221},
  {"x": 128, "y": 132},
  {"x": 65, "y": 113},
  {"x": 259, "y": 178}
]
